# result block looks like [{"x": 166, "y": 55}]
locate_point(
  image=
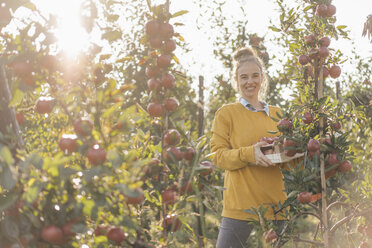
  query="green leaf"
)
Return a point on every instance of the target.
[
  {"x": 89, "y": 174},
  {"x": 274, "y": 29},
  {"x": 112, "y": 35},
  {"x": 36, "y": 160},
  {"x": 17, "y": 98},
  {"x": 273, "y": 132},
  {"x": 179, "y": 13},
  {"x": 308, "y": 178},
  {"x": 6, "y": 156},
  {"x": 274, "y": 119},
  {"x": 7, "y": 180},
  {"x": 293, "y": 193},
  {"x": 111, "y": 110},
  {"x": 341, "y": 27},
  {"x": 307, "y": 8},
  {"x": 9, "y": 227},
  {"x": 7, "y": 200},
  {"x": 88, "y": 206},
  {"x": 31, "y": 194}
]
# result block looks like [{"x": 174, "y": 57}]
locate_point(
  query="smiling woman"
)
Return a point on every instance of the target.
[{"x": 71, "y": 36}]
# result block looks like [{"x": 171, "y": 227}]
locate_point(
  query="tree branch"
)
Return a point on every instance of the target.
[
  {"x": 292, "y": 219},
  {"x": 348, "y": 218},
  {"x": 333, "y": 204},
  {"x": 317, "y": 243}
]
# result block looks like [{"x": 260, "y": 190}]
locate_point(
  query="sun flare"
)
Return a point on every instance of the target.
[{"x": 71, "y": 36}]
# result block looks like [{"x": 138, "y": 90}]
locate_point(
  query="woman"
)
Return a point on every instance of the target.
[{"x": 251, "y": 179}]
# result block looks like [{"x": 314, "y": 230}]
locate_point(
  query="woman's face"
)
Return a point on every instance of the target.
[{"x": 249, "y": 80}]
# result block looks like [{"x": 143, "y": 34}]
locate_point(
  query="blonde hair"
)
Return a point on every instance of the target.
[{"x": 243, "y": 55}]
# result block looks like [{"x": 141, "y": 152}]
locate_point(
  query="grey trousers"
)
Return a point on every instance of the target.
[{"x": 235, "y": 233}]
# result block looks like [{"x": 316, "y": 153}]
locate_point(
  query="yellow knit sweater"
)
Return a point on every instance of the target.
[{"x": 235, "y": 130}]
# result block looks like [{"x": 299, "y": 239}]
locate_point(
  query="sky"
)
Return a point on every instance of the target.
[{"x": 201, "y": 61}]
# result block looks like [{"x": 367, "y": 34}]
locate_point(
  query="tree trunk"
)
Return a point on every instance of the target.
[{"x": 8, "y": 121}]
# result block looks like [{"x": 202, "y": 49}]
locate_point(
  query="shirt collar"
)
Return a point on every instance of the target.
[{"x": 249, "y": 106}]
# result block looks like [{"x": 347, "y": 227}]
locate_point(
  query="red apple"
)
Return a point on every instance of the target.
[
  {"x": 313, "y": 53},
  {"x": 312, "y": 154},
  {"x": 153, "y": 84},
  {"x": 21, "y": 68},
  {"x": 309, "y": 39},
  {"x": 270, "y": 236},
  {"x": 67, "y": 228},
  {"x": 368, "y": 231},
  {"x": 166, "y": 31},
  {"x": 83, "y": 127},
  {"x": 304, "y": 197},
  {"x": 325, "y": 72},
  {"x": 29, "y": 80},
  {"x": 101, "y": 230},
  {"x": 307, "y": 118},
  {"x": 303, "y": 59},
  {"x": 335, "y": 71},
  {"x": 44, "y": 105},
  {"x": 163, "y": 60},
  {"x": 190, "y": 153},
  {"x": 168, "y": 81},
  {"x": 321, "y": 10},
  {"x": 152, "y": 28},
  {"x": 152, "y": 72},
  {"x": 155, "y": 42},
  {"x": 96, "y": 155},
  {"x": 171, "y": 104},
  {"x": 135, "y": 200},
  {"x": 68, "y": 142},
  {"x": 331, "y": 10},
  {"x": 155, "y": 109},
  {"x": 169, "y": 196},
  {"x": 172, "y": 137},
  {"x": 289, "y": 143},
  {"x": 324, "y": 42},
  {"x": 175, "y": 152},
  {"x": 169, "y": 46},
  {"x": 330, "y": 173},
  {"x": 207, "y": 168},
  {"x": 323, "y": 52},
  {"x": 332, "y": 159},
  {"x": 116, "y": 234},
  {"x": 20, "y": 118},
  {"x": 313, "y": 145},
  {"x": 284, "y": 125},
  {"x": 345, "y": 166},
  {"x": 172, "y": 223},
  {"x": 53, "y": 235}
]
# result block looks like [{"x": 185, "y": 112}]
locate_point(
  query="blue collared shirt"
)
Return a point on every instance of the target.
[{"x": 249, "y": 106}]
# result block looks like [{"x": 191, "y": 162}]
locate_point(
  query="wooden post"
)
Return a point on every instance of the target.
[
  {"x": 338, "y": 90},
  {"x": 322, "y": 164},
  {"x": 201, "y": 107}
]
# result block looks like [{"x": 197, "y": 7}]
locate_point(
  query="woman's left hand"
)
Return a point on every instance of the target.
[{"x": 260, "y": 158}]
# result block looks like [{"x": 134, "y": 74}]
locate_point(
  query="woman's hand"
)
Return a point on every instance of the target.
[{"x": 260, "y": 158}]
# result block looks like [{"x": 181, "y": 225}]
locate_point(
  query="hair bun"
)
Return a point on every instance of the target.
[{"x": 243, "y": 52}]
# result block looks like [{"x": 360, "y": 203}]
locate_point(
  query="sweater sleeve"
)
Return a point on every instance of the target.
[{"x": 225, "y": 157}]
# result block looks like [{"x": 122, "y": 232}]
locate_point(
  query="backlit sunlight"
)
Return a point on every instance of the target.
[{"x": 72, "y": 38}]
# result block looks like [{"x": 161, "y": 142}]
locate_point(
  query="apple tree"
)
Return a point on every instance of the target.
[{"x": 318, "y": 123}]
